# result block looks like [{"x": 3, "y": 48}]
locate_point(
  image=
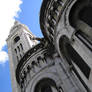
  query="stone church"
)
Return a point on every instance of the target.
[{"x": 61, "y": 61}]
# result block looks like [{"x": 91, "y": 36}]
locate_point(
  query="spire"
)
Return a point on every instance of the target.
[{"x": 16, "y": 22}]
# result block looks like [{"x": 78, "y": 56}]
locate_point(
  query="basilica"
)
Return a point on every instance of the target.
[{"x": 61, "y": 61}]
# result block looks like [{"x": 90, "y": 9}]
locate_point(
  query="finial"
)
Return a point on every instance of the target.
[{"x": 16, "y": 22}]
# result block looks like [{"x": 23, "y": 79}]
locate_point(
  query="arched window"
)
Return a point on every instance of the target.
[
  {"x": 33, "y": 63},
  {"x": 16, "y": 39},
  {"x": 72, "y": 56}
]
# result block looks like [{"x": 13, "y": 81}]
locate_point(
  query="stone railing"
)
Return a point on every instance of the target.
[{"x": 32, "y": 63}]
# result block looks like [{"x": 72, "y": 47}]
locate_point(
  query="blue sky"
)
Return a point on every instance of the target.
[{"x": 29, "y": 15}]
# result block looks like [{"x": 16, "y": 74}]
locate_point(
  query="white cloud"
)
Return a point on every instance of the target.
[
  {"x": 3, "y": 57},
  {"x": 8, "y": 10}
]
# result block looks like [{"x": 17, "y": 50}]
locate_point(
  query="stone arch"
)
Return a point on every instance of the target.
[
  {"x": 72, "y": 56},
  {"x": 16, "y": 39},
  {"x": 40, "y": 76},
  {"x": 46, "y": 85}
]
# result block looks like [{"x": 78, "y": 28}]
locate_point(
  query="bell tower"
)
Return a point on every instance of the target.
[{"x": 19, "y": 42}]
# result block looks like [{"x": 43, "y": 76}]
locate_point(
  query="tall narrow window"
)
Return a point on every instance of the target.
[
  {"x": 17, "y": 58},
  {"x": 72, "y": 55},
  {"x": 18, "y": 48},
  {"x": 20, "y": 56},
  {"x": 15, "y": 51},
  {"x": 21, "y": 46}
]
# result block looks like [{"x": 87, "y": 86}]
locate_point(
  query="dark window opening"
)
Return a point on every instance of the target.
[
  {"x": 39, "y": 58},
  {"x": 20, "y": 56},
  {"x": 81, "y": 11},
  {"x": 16, "y": 39},
  {"x": 45, "y": 59},
  {"x": 15, "y": 51},
  {"x": 85, "y": 40},
  {"x": 18, "y": 48},
  {"x": 25, "y": 74},
  {"x": 28, "y": 68},
  {"x": 78, "y": 61},
  {"x": 21, "y": 46},
  {"x": 17, "y": 58},
  {"x": 46, "y": 88},
  {"x": 46, "y": 85},
  {"x": 72, "y": 56},
  {"x": 34, "y": 63},
  {"x": 80, "y": 19},
  {"x": 86, "y": 15}
]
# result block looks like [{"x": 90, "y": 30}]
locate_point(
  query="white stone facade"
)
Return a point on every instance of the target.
[
  {"x": 62, "y": 60},
  {"x": 39, "y": 68},
  {"x": 19, "y": 42}
]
